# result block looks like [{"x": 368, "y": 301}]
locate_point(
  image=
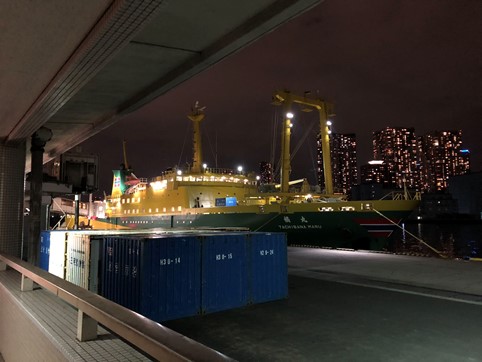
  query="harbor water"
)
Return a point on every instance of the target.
[{"x": 462, "y": 239}]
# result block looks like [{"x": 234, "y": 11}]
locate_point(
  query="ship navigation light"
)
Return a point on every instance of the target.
[
  {"x": 329, "y": 123},
  {"x": 179, "y": 172},
  {"x": 289, "y": 115}
]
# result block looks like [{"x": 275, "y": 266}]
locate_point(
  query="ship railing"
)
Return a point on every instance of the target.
[
  {"x": 150, "y": 337},
  {"x": 223, "y": 171},
  {"x": 67, "y": 206},
  {"x": 402, "y": 195}
]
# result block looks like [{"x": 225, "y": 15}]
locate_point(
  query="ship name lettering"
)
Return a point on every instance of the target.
[{"x": 299, "y": 227}]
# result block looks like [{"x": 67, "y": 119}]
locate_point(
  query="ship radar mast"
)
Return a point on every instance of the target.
[
  {"x": 124, "y": 151},
  {"x": 286, "y": 99},
  {"x": 196, "y": 116}
]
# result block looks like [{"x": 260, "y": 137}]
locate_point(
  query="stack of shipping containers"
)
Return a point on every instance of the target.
[{"x": 173, "y": 275}]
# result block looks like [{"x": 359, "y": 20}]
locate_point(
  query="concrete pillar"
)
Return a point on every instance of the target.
[
  {"x": 12, "y": 176},
  {"x": 39, "y": 139}
]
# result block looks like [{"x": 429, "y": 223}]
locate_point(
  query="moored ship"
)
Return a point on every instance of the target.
[{"x": 202, "y": 197}]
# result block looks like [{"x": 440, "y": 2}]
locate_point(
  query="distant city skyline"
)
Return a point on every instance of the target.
[{"x": 400, "y": 159}]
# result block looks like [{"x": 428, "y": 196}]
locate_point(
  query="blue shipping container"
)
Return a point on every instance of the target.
[
  {"x": 171, "y": 277},
  {"x": 224, "y": 272},
  {"x": 268, "y": 274},
  {"x": 44, "y": 250},
  {"x": 120, "y": 281}
]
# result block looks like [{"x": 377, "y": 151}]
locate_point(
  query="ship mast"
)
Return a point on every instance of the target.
[
  {"x": 196, "y": 116},
  {"x": 286, "y": 99},
  {"x": 124, "y": 150}
]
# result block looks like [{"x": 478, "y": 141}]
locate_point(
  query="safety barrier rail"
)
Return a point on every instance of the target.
[{"x": 148, "y": 336}]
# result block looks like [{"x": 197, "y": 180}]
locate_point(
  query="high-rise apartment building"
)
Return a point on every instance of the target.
[
  {"x": 373, "y": 172},
  {"x": 266, "y": 172},
  {"x": 442, "y": 157},
  {"x": 343, "y": 162},
  {"x": 464, "y": 162},
  {"x": 397, "y": 147}
]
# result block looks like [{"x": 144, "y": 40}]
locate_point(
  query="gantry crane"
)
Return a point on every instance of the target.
[{"x": 286, "y": 99}]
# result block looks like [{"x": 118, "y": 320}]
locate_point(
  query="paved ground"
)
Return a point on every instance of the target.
[
  {"x": 354, "y": 306},
  {"x": 453, "y": 275},
  {"x": 342, "y": 306}
]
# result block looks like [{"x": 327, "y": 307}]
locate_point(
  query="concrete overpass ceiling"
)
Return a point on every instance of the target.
[
  {"x": 77, "y": 67},
  {"x": 36, "y": 39}
]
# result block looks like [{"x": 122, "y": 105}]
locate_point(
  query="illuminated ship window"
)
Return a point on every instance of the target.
[
  {"x": 179, "y": 208},
  {"x": 125, "y": 211},
  {"x": 367, "y": 206},
  {"x": 157, "y": 210},
  {"x": 164, "y": 209},
  {"x": 347, "y": 208},
  {"x": 150, "y": 210},
  {"x": 128, "y": 211},
  {"x": 128, "y": 201},
  {"x": 172, "y": 208},
  {"x": 123, "y": 201},
  {"x": 325, "y": 209}
]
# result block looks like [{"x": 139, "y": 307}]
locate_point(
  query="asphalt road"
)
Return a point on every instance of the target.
[{"x": 329, "y": 317}]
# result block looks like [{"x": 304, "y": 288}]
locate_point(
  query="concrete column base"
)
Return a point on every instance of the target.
[
  {"x": 86, "y": 327},
  {"x": 26, "y": 285}
]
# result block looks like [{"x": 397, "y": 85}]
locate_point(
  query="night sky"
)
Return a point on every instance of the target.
[{"x": 399, "y": 63}]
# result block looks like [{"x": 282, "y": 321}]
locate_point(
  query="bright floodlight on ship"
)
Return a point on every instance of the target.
[
  {"x": 179, "y": 172},
  {"x": 258, "y": 177},
  {"x": 289, "y": 115},
  {"x": 205, "y": 166},
  {"x": 329, "y": 131},
  {"x": 328, "y": 123},
  {"x": 291, "y": 125},
  {"x": 240, "y": 168}
]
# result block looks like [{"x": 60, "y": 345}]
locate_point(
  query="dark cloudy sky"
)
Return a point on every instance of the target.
[{"x": 410, "y": 63}]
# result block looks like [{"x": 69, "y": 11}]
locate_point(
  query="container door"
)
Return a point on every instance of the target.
[
  {"x": 268, "y": 274},
  {"x": 78, "y": 259},
  {"x": 44, "y": 250},
  {"x": 171, "y": 277},
  {"x": 95, "y": 263},
  {"x": 120, "y": 271},
  {"x": 57, "y": 253},
  {"x": 108, "y": 272},
  {"x": 224, "y": 272}
]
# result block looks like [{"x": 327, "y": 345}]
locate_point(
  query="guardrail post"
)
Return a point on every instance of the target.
[
  {"x": 86, "y": 327},
  {"x": 3, "y": 265},
  {"x": 27, "y": 284}
]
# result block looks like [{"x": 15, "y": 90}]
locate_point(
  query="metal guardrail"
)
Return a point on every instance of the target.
[{"x": 150, "y": 337}]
